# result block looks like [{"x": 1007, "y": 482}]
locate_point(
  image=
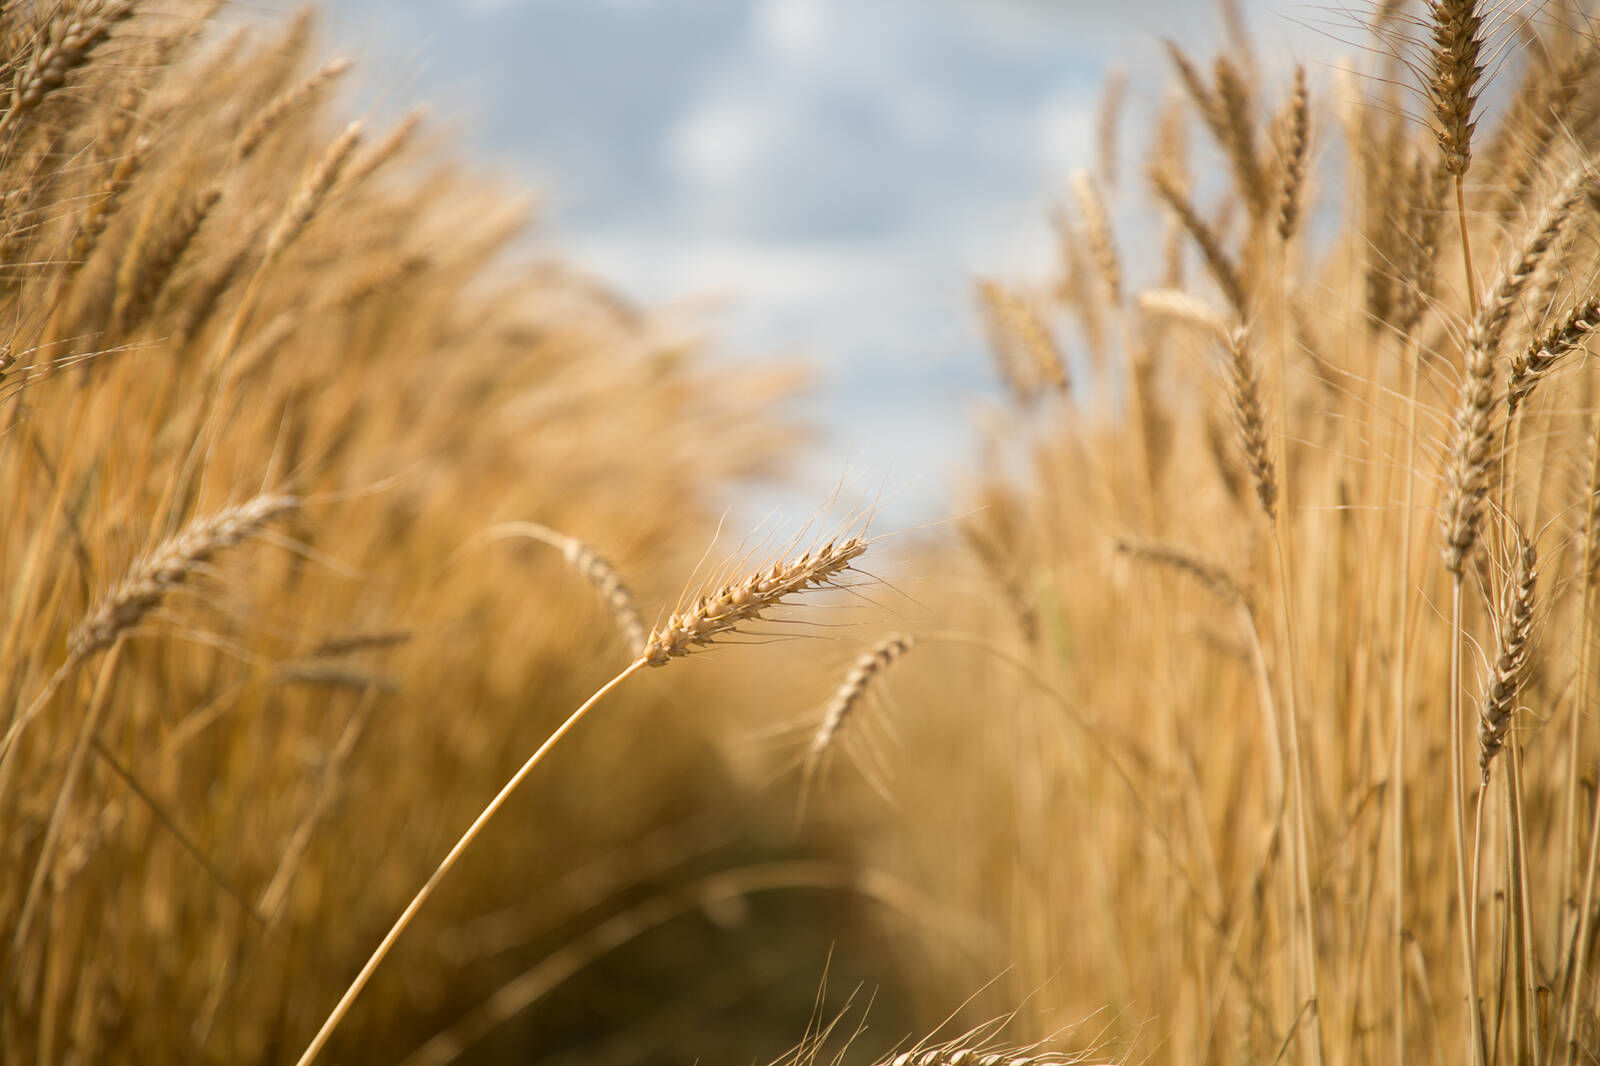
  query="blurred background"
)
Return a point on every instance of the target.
[{"x": 825, "y": 176}]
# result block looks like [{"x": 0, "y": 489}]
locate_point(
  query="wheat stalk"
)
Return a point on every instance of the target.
[
  {"x": 313, "y": 192},
  {"x": 711, "y": 615}
]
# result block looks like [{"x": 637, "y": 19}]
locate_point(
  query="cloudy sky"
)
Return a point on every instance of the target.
[{"x": 835, "y": 171}]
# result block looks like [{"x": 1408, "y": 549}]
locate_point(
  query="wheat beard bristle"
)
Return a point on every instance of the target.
[
  {"x": 1506, "y": 672},
  {"x": 170, "y": 565},
  {"x": 966, "y": 1056},
  {"x": 722, "y": 611}
]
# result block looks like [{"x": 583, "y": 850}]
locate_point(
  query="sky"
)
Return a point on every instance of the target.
[{"x": 832, "y": 174}]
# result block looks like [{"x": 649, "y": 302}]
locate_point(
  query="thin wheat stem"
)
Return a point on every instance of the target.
[
  {"x": 382, "y": 950},
  {"x": 1458, "y": 804}
]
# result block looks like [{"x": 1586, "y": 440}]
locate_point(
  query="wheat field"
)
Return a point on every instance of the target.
[{"x": 382, "y": 684}]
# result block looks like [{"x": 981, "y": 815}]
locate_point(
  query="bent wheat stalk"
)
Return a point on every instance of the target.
[{"x": 712, "y": 614}]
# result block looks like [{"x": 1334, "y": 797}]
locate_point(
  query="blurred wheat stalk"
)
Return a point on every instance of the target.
[{"x": 263, "y": 372}]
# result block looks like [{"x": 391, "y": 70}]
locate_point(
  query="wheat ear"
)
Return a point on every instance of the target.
[
  {"x": 1223, "y": 271},
  {"x": 1466, "y": 475},
  {"x": 1539, "y": 358},
  {"x": 1175, "y": 305},
  {"x": 1296, "y": 140},
  {"x": 714, "y": 613},
  {"x": 157, "y": 250},
  {"x": 271, "y": 116},
  {"x": 170, "y": 565},
  {"x": 723, "y": 610},
  {"x": 1102, "y": 246},
  {"x": 1455, "y": 71},
  {"x": 867, "y": 668},
  {"x": 313, "y": 192},
  {"x": 1244, "y": 395},
  {"x": 595, "y": 569},
  {"x": 48, "y": 68},
  {"x": 1506, "y": 672}
]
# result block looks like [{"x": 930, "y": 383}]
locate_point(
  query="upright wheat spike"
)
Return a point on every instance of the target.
[
  {"x": 156, "y": 251},
  {"x": 1466, "y": 475},
  {"x": 1296, "y": 139},
  {"x": 713, "y": 614},
  {"x": 100, "y": 211},
  {"x": 1023, "y": 345},
  {"x": 1102, "y": 246},
  {"x": 1456, "y": 68},
  {"x": 1244, "y": 394},
  {"x": 1510, "y": 664},
  {"x": 1237, "y": 135}
]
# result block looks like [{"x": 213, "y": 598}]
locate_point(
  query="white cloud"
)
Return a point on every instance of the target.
[
  {"x": 794, "y": 28},
  {"x": 718, "y": 144}
]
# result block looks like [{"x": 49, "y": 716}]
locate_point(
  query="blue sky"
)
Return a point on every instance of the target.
[{"x": 833, "y": 172}]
